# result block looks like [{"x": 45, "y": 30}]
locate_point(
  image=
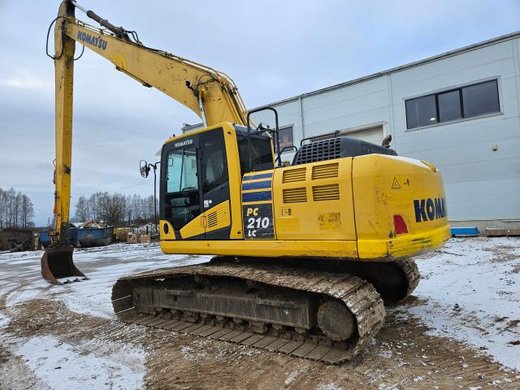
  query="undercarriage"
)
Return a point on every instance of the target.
[{"x": 325, "y": 315}]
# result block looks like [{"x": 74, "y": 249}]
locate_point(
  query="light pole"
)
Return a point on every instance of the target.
[{"x": 144, "y": 168}]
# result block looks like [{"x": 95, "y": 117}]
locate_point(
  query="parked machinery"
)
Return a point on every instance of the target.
[{"x": 305, "y": 255}]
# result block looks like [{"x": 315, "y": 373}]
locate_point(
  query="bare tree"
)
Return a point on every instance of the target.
[
  {"x": 113, "y": 209},
  {"x": 110, "y": 209},
  {"x": 3, "y": 208},
  {"x": 27, "y": 211},
  {"x": 82, "y": 209},
  {"x": 116, "y": 209},
  {"x": 11, "y": 200},
  {"x": 16, "y": 209},
  {"x": 94, "y": 205}
]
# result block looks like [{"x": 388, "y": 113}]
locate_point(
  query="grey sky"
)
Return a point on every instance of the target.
[{"x": 271, "y": 49}]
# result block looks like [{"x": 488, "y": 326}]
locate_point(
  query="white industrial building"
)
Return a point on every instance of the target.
[{"x": 459, "y": 110}]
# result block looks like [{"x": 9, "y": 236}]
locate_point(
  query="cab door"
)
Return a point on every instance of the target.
[
  {"x": 180, "y": 187},
  {"x": 215, "y": 185},
  {"x": 195, "y": 186}
]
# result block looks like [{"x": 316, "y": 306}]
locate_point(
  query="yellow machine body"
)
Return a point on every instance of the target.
[{"x": 369, "y": 207}]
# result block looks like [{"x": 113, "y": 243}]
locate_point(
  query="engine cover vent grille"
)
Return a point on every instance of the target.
[
  {"x": 325, "y": 171},
  {"x": 327, "y": 149},
  {"x": 337, "y": 147},
  {"x": 293, "y": 175},
  {"x": 294, "y": 195},
  {"x": 212, "y": 220},
  {"x": 328, "y": 192}
]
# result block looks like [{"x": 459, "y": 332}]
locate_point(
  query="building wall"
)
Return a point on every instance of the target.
[{"x": 482, "y": 184}]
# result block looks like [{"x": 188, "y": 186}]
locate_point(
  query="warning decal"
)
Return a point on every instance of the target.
[{"x": 395, "y": 184}]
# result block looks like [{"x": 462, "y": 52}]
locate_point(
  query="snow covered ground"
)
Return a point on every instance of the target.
[
  {"x": 96, "y": 365},
  {"x": 92, "y": 366},
  {"x": 470, "y": 292},
  {"x": 103, "y": 266}
]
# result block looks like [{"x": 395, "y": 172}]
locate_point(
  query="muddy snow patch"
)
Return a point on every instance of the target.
[
  {"x": 329, "y": 386},
  {"x": 24, "y": 294},
  {"x": 93, "y": 365},
  {"x": 93, "y": 296},
  {"x": 470, "y": 292},
  {"x": 291, "y": 377},
  {"x": 196, "y": 351},
  {"x": 4, "y": 320}
]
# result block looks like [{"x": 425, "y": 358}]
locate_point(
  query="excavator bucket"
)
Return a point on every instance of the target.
[{"x": 58, "y": 266}]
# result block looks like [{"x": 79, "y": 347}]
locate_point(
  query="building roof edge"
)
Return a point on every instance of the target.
[{"x": 474, "y": 46}]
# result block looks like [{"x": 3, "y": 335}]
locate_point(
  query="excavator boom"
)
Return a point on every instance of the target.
[{"x": 210, "y": 94}]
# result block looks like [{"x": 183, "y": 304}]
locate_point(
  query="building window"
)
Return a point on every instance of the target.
[
  {"x": 449, "y": 106},
  {"x": 286, "y": 136},
  {"x": 421, "y": 111},
  {"x": 480, "y": 99},
  {"x": 465, "y": 102}
]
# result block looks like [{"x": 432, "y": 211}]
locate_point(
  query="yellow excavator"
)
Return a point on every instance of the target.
[{"x": 306, "y": 255}]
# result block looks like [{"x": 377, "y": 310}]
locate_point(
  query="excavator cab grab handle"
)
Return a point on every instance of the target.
[{"x": 275, "y": 133}]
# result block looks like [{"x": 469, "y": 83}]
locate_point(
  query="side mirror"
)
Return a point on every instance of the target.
[{"x": 144, "y": 168}]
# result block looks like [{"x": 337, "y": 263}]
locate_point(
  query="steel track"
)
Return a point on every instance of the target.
[
  {"x": 360, "y": 297},
  {"x": 411, "y": 273}
]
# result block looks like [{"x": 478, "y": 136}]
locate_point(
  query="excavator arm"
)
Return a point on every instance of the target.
[{"x": 212, "y": 95}]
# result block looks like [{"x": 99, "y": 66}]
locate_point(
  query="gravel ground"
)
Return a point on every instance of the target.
[{"x": 460, "y": 329}]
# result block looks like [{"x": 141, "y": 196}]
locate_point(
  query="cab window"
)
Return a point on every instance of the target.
[
  {"x": 255, "y": 153},
  {"x": 182, "y": 198},
  {"x": 182, "y": 170}
]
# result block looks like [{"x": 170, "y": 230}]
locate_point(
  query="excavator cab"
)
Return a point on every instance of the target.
[{"x": 57, "y": 265}]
